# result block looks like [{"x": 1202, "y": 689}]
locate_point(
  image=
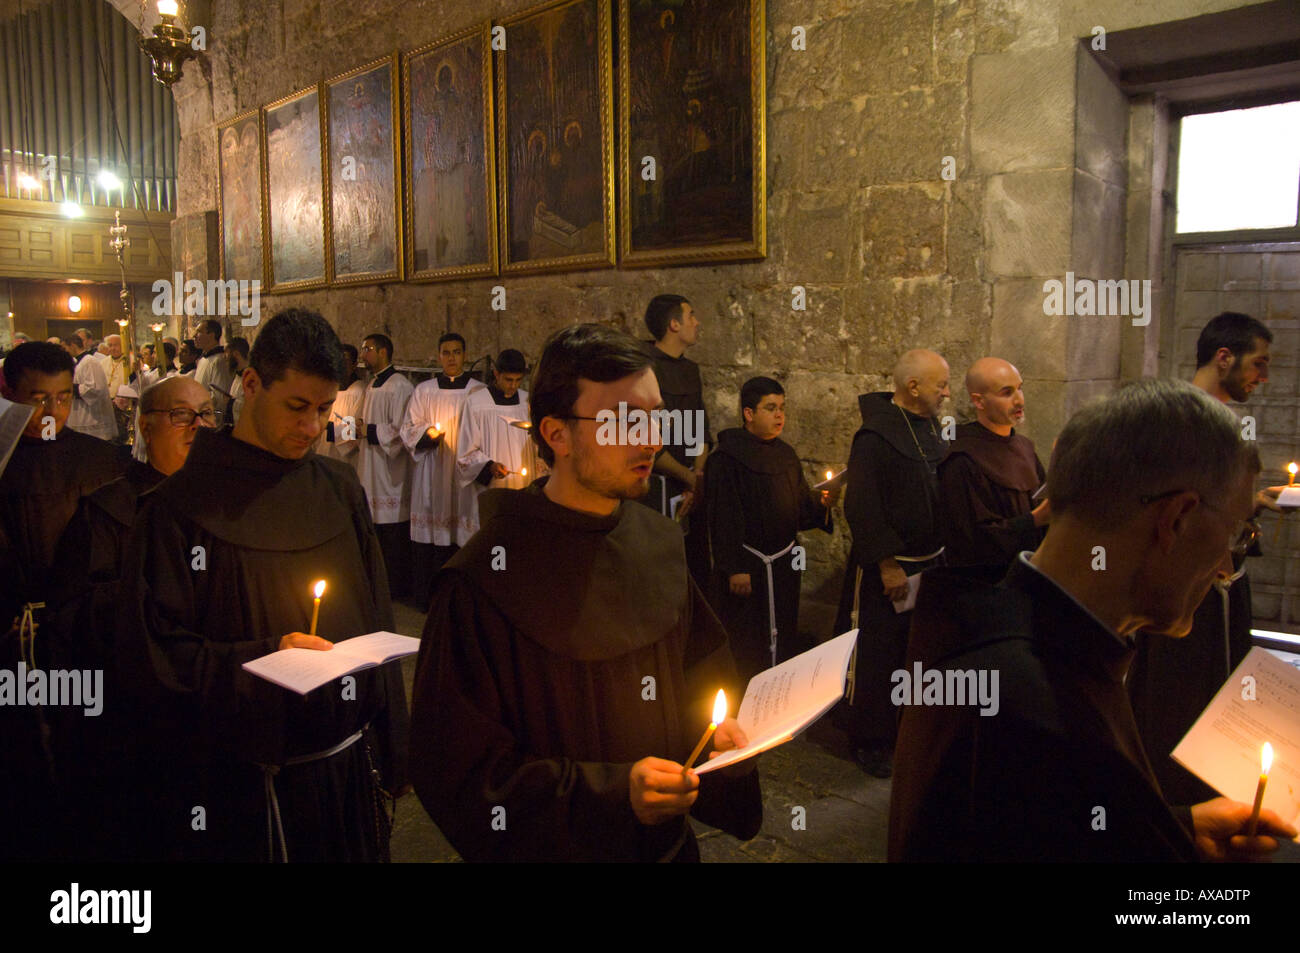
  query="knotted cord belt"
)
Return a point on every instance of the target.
[
  {"x": 27, "y": 633},
  {"x": 771, "y": 592},
  {"x": 269, "y": 771}
]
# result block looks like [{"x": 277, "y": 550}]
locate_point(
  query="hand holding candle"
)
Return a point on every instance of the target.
[
  {"x": 719, "y": 713},
  {"x": 1266, "y": 765},
  {"x": 319, "y": 590}
]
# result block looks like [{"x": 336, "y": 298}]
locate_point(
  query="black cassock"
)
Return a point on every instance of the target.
[
  {"x": 561, "y": 647},
  {"x": 1058, "y": 773},
  {"x": 39, "y": 491},
  {"x": 892, "y": 507},
  {"x": 220, "y": 567},
  {"x": 987, "y": 483},
  {"x": 758, "y": 497}
]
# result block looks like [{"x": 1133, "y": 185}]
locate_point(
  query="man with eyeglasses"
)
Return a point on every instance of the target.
[
  {"x": 569, "y": 662},
  {"x": 1152, "y": 491},
  {"x": 219, "y": 571},
  {"x": 90, "y": 753},
  {"x": 51, "y": 468},
  {"x": 1171, "y": 684}
]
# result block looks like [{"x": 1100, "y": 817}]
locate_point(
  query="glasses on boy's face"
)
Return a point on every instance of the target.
[
  {"x": 184, "y": 417},
  {"x": 1244, "y": 532},
  {"x": 50, "y": 400}
]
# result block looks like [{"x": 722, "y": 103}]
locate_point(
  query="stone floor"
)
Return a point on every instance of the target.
[{"x": 845, "y": 816}]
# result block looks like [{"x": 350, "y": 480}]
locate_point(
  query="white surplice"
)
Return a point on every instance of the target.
[
  {"x": 438, "y": 502},
  {"x": 346, "y": 404},
  {"x": 384, "y": 466},
  {"x": 92, "y": 410},
  {"x": 213, "y": 371},
  {"x": 486, "y": 435}
]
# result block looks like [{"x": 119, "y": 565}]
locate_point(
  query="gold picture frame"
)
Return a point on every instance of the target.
[
  {"x": 434, "y": 252},
  {"x": 553, "y": 132},
  {"x": 690, "y": 116},
  {"x": 287, "y": 160},
  {"x": 367, "y": 190},
  {"x": 234, "y": 218}
]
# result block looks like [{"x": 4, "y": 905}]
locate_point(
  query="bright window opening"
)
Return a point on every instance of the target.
[{"x": 1239, "y": 169}]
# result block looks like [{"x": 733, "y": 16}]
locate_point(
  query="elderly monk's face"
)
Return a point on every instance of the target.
[
  {"x": 1198, "y": 553},
  {"x": 50, "y": 394},
  {"x": 168, "y": 434},
  {"x": 288, "y": 416},
  {"x": 614, "y": 470},
  {"x": 932, "y": 387}
]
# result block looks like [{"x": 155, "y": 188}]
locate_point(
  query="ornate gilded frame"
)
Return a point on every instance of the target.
[
  {"x": 235, "y": 121},
  {"x": 491, "y": 266},
  {"x": 604, "y": 56},
  {"x": 395, "y": 131},
  {"x": 268, "y": 238},
  {"x": 629, "y": 166}
]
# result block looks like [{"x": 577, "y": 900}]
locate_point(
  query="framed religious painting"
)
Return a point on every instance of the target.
[
  {"x": 239, "y": 197},
  {"x": 363, "y": 217},
  {"x": 451, "y": 176},
  {"x": 555, "y": 138},
  {"x": 692, "y": 121},
  {"x": 294, "y": 221}
]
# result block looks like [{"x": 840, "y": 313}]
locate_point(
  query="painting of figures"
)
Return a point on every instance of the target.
[
  {"x": 239, "y": 181},
  {"x": 295, "y": 225},
  {"x": 450, "y": 159},
  {"x": 361, "y": 165},
  {"x": 556, "y": 135},
  {"x": 692, "y": 89}
]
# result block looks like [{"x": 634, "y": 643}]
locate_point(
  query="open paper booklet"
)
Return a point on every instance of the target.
[
  {"x": 13, "y": 421},
  {"x": 784, "y": 700},
  {"x": 1259, "y": 702},
  {"x": 301, "y": 670}
]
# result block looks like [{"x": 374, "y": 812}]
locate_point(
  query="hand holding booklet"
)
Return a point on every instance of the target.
[
  {"x": 784, "y": 700},
  {"x": 301, "y": 670}
]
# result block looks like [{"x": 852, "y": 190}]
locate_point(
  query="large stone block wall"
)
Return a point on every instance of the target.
[{"x": 892, "y": 255}]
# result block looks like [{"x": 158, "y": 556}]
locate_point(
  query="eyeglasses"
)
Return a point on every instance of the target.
[
  {"x": 184, "y": 417},
  {"x": 1244, "y": 532},
  {"x": 49, "y": 400}
]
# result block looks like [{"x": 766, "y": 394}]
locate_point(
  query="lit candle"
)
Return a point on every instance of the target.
[
  {"x": 829, "y": 474},
  {"x": 719, "y": 713},
  {"x": 315, "y": 609},
  {"x": 1265, "y": 763},
  {"x": 523, "y": 472},
  {"x": 435, "y": 431},
  {"x": 168, "y": 8},
  {"x": 1291, "y": 469}
]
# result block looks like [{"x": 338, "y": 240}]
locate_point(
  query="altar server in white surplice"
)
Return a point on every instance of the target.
[
  {"x": 490, "y": 450},
  {"x": 383, "y": 464},
  {"x": 430, "y": 433},
  {"x": 341, "y": 438}
]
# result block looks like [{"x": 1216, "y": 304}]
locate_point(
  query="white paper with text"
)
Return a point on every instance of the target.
[{"x": 301, "y": 670}]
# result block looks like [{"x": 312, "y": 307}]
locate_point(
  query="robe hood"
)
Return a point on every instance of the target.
[
  {"x": 882, "y": 416},
  {"x": 224, "y": 486},
  {"x": 1009, "y": 461},
  {"x": 761, "y": 456},
  {"x": 118, "y": 499},
  {"x": 588, "y": 587}
]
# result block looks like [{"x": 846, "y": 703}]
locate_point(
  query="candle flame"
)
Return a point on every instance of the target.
[
  {"x": 829, "y": 474},
  {"x": 437, "y": 426},
  {"x": 168, "y": 8},
  {"x": 720, "y": 707},
  {"x": 1266, "y": 758},
  {"x": 1292, "y": 468},
  {"x": 523, "y": 472},
  {"x": 320, "y": 588}
]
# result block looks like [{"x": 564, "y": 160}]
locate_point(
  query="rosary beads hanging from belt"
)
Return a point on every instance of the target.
[{"x": 933, "y": 468}]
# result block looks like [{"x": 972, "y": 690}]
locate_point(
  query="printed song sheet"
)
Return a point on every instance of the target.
[{"x": 301, "y": 670}]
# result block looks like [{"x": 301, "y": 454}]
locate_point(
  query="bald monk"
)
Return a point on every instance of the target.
[
  {"x": 97, "y": 753},
  {"x": 989, "y": 479},
  {"x": 891, "y": 503}
]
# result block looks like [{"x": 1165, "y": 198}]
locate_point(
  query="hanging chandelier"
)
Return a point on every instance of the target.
[{"x": 168, "y": 46}]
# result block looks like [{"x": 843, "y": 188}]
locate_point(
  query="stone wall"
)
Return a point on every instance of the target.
[{"x": 892, "y": 254}]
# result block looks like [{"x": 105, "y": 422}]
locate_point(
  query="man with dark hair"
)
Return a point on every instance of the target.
[
  {"x": 988, "y": 480},
  {"x": 758, "y": 500},
  {"x": 892, "y": 506},
  {"x": 383, "y": 464},
  {"x": 1171, "y": 683},
  {"x": 188, "y": 356},
  {"x": 492, "y": 448},
  {"x": 439, "y": 505},
  {"x": 236, "y": 361},
  {"x": 568, "y": 658},
  {"x": 92, "y": 410},
  {"x": 1156, "y": 480},
  {"x": 218, "y": 572},
  {"x": 212, "y": 369},
  {"x": 672, "y": 324},
  {"x": 51, "y": 468},
  {"x": 339, "y": 439}
]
